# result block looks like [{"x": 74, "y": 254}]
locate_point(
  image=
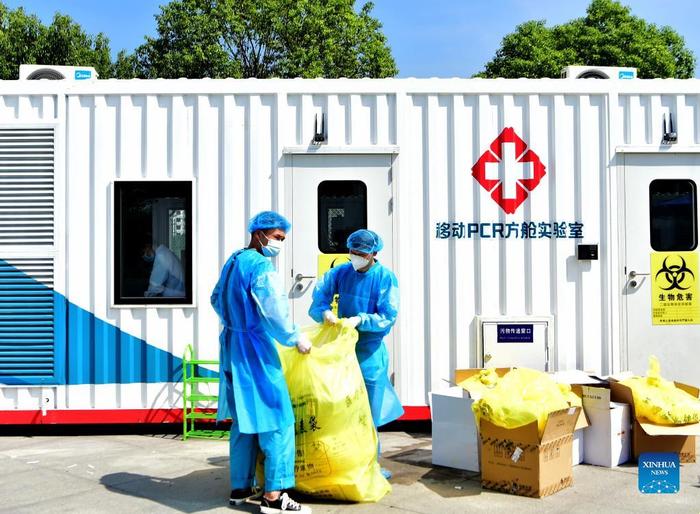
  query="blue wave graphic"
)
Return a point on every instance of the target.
[{"x": 83, "y": 349}]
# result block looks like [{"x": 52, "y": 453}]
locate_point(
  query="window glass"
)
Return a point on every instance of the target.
[
  {"x": 153, "y": 242},
  {"x": 342, "y": 209},
  {"x": 673, "y": 215}
]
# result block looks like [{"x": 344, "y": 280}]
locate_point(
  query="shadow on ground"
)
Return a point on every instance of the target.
[
  {"x": 415, "y": 429},
  {"x": 415, "y": 465},
  {"x": 198, "y": 491}
]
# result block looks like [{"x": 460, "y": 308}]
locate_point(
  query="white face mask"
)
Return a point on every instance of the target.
[
  {"x": 272, "y": 248},
  {"x": 358, "y": 262}
]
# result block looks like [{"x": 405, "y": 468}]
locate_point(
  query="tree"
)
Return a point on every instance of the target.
[
  {"x": 262, "y": 38},
  {"x": 609, "y": 35},
  {"x": 24, "y": 39}
]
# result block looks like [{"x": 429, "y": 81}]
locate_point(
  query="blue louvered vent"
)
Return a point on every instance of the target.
[
  {"x": 26, "y": 318},
  {"x": 27, "y": 337}
]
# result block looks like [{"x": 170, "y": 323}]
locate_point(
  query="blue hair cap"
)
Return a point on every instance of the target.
[
  {"x": 268, "y": 220},
  {"x": 365, "y": 241}
]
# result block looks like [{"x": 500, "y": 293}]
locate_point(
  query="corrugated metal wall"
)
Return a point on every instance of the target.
[
  {"x": 452, "y": 281},
  {"x": 28, "y": 164},
  {"x": 639, "y": 117},
  {"x": 232, "y": 145}
]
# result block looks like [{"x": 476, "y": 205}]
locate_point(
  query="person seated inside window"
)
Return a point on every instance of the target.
[{"x": 167, "y": 276}]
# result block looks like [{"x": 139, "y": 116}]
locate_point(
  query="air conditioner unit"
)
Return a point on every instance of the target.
[
  {"x": 43, "y": 72},
  {"x": 598, "y": 72}
]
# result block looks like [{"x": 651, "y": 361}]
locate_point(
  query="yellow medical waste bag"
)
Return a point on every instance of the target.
[
  {"x": 522, "y": 396},
  {"x": 336, "y": 442},
  {"x": 660, "y": 401},
  {"x": 480, "y": 382}
]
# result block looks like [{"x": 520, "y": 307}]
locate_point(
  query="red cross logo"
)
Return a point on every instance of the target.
[{"x": 508, "y": 170}]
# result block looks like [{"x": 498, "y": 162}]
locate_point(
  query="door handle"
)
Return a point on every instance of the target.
[
  {"x": 298, "y": 286},
  {"x": 633, "y": 274}
]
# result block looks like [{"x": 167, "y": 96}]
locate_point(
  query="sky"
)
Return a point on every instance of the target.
[{"x": 429, "y": 38}]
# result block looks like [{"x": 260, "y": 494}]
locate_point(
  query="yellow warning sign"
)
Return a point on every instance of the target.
[
  {"x": 674, "y": 289},
  {"x": 327, "y": 261}
]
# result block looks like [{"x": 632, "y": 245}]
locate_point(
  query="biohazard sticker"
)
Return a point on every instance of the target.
[{"x": 674, "y": 290}]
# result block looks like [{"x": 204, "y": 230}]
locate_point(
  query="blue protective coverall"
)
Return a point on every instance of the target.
[
  {"x": 253, "y": 307},
  {"x": 374, "y": 297}
]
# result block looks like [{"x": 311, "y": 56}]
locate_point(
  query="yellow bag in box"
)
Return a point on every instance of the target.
[
  {"x": 487, "y": 379},
  {"x": 522, "y": 396},
  {"x": 336, "y": 443},
  {"x": 480, "y": 382},
  {"x": 660, "y": 401}
]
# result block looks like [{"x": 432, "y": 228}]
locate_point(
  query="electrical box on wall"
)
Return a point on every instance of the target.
[
  {"x": 523, "y": 341},
  {"x": 587, "y": 252}
]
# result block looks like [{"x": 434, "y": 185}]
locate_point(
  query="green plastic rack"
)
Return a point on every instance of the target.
[{"x": 192, "y": 396}]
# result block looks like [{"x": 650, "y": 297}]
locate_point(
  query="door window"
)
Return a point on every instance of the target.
[
  {"x": 342, "y": 209},
  {"x": 673, "y": 215}
]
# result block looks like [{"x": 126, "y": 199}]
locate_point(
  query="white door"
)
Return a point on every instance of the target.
[
  {"x": 660, "y": 264},
  {"x": 332, "y": 196}
]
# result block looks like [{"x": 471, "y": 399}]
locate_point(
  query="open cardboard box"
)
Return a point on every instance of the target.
[
  {"x": 455, "y": 437},
  {"x": 519, "y": 461},
  {"x": 455, "y": 434},
  {"x": 609, "y": 436},
  {"x": 648, "y": 437},
  {"x": 578, "y": 447},
  {"x": 576, "y": 379}
]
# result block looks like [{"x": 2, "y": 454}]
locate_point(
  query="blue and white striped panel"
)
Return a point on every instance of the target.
[
  {"x": 27, "y": 318},
  {"x": 27, "y": 218}
]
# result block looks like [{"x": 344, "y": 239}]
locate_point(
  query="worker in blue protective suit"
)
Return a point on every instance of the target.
[
  {"x": 369, "y": 296},
  {"x": 253, "y": 307}
]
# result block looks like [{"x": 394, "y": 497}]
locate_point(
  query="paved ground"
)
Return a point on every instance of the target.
[{"x": 160, "y": 473}]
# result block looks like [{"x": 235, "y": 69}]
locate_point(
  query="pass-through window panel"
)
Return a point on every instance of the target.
[
  {"x": 342, "y": 209},
  {"x": 673, "y": 215}
]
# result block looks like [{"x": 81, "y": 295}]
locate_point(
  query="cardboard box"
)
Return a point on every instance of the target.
[
  {"x": 609, "y": 435},
  {"x": 455, "y": 437},
  {"x": 578, "y": 448},
  {"x": 519, "y": 461},
  {"x": 648, "y": 437},
  {"x": 575, "y": 378},
  {"x": 455, "y": 434}
]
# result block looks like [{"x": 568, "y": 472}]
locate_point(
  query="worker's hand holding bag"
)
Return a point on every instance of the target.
[
  {"x": 336, "y": 443},
  {"x": 304, "y": 344},
  {"x": 330, "y": 318},
  {"x": 353, "y": 321}
]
